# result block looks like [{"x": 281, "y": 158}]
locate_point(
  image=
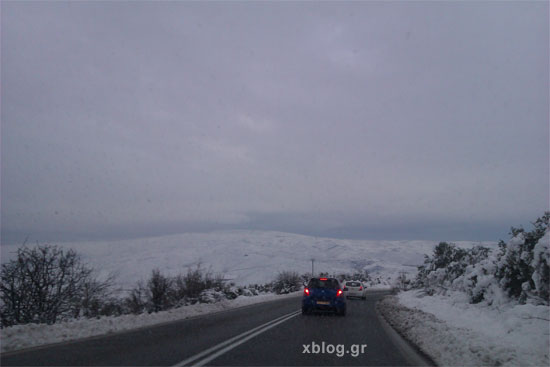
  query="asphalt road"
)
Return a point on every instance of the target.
[{"x": 271, "y": 333}]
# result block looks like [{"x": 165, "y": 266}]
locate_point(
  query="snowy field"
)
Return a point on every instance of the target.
[
  {"x": 455, "y": 333},
  {"x": 245, "y": 257},
  {"x": 249, "y": 257}
]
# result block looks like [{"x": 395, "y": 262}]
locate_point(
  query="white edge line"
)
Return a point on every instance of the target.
[{"x": 228, "y": 341}]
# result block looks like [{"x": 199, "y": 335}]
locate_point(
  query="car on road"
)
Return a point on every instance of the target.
[
  {"x": 324, "y": 294},
  {"x": 354, "y": 288}
]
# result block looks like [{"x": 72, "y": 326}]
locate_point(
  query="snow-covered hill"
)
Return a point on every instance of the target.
[{"x": 249, "y": 257}]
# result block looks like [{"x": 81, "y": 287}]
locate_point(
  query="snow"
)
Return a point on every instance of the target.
[
  {"x": 455, "y": 332},
  {"x": 249, "y": 257},
  {"x": 32, "y": 335},
  {"x": 541, "y": 253},
  {"x": 244, "y": 257}
]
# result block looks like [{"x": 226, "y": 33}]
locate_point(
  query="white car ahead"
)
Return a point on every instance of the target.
[{"x": 354, "y": 288}]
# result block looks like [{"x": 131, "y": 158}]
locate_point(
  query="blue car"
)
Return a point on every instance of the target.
[{"x": 324, "y": 294}]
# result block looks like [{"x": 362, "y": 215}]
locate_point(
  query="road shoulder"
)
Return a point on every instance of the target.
[{"x": 415, "y": 355}]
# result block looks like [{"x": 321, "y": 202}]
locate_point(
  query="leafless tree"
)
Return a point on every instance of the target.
[{"x": 43, "y": 284}]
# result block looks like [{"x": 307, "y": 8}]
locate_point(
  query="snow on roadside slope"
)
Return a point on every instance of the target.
[
  {"x": 453, "y": 332},
  {"x": 32, "y": 335}
]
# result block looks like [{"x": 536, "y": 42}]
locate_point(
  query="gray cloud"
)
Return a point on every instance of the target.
[{"x": 125, "y": 119}]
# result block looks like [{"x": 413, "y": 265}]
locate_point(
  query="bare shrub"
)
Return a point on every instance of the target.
[
  {"x": 44, "y": 284},
  {"x": 159, "y": 289},
  {"x": 287, "y": 282},
  {"x": 135, "y": 302}
]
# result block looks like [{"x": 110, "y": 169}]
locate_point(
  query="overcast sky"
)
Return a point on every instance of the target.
[{"x": 395, "y": 120}]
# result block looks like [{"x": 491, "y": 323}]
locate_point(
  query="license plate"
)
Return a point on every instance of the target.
[{"x": 323, "y": 303}]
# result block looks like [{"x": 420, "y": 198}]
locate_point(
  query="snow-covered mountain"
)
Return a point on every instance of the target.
[{"x": 248, "y": 257}]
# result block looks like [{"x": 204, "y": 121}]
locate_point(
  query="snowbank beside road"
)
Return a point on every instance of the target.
[
  {"x": 453, "y": 332},
  {"x": 32, "y": 335}
]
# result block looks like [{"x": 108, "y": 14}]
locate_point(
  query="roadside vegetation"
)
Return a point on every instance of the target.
[
  {"x": 518, "y": 271},
  {"x": 47, "y": 284},
  {"x": 491, "y": 305}
]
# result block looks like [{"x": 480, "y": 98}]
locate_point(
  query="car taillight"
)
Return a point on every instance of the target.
[
  {"x": 339, "y": 293},
  {"x": 306, "y": 291},
  {"x": 360, "y": 288},
  {"x": 322, "y": 278}
]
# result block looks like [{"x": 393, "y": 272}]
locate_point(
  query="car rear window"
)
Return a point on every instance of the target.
[
  {"x": 353, "y": 284},
  {"x": 328, "y": 283}
]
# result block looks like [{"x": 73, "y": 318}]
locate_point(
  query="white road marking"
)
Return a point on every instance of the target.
[{"x": 216, "y": 351}]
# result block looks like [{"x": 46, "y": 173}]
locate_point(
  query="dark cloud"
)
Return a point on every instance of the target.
[{"x": 125, "y": 118}]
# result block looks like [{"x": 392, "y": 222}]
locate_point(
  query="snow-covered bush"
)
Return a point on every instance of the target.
[
  {"x": 362, "y": 276},
  {"x": 402, "y": 282},
  {"x": 261, "y": 288},
  {"x": 479, "y": 282},
  {"x": 249, "y": 292},
  {"x": 287, "y": 282},
  {"x": 447, "y": 263},
  {"x": 232, "y": 292},
  {"x": 519, "y": 270},
  {"x": 523, "y": 264},
  {"x": 541, "y": 267},
  {"x": 211, "y": 296}
]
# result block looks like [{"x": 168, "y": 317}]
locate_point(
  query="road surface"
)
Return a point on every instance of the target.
[{"x": 271, "y": 333}]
